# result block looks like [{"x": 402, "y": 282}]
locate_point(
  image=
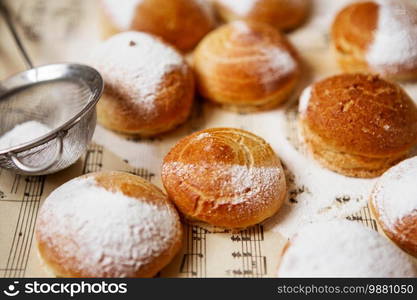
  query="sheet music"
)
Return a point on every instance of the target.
[
  {"x": 211, "y": 252},
  {"x": 207, "y": 251}
]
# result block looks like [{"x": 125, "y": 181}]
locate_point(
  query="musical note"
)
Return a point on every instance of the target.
[
  {"x": 364, "y": 216},
  {"x": 193, "y": 262},
  {"x": 144, "y": 173},
  {"x": 18, "y": 257},
  {"x": 93, "y": 159}
]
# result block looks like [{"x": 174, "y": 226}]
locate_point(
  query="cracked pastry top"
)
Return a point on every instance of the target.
[{"x": 358, "y": 125}]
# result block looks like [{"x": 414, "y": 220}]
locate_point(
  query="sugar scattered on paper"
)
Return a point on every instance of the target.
[{"x": 315, "y": 193}]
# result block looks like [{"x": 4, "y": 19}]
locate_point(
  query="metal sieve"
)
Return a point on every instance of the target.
[{"x": 61, "y": 96}]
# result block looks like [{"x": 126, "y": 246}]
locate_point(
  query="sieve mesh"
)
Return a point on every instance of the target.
[
  {"x": 66, "y": 105},
  {"x": 62, "y": 97},
  {"x": 51, "y": 103}
]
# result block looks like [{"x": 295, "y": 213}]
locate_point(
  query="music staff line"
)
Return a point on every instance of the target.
[
  {"x": 253, "y": 263},
  {"x": 23, "y": 234}
]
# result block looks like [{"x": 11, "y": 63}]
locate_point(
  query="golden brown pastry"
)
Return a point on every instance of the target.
[
  {"x": 182, "y": 23},
  {"x": 108, "y": 224},
  {"x": 343, "y": 248},
  {"x": 394, "y": 203},
  {"x": 378, "y": 36},
  {"x": 149, "y": 88},
  {"x": 282, "y": 14},
  {"x": 358, "y": 125},
  {"x": 226, "y": 177},
  {"x": 246, "y": 66}
]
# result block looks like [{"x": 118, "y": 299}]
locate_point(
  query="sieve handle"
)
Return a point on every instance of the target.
[
  {"x": 13, "y": 31},
  {"x": 34, "y": 170}
]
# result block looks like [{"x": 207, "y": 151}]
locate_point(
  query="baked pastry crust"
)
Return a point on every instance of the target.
[
  {"x": 149, "y": 87},
  {"x": 182, "y": 23},
  {"x": 282, "y": 14},
  {"x": 354, "y": 32},
  {"x": 394, "y": 204},
  {"x": 246, "y": 67},
  {"x": 341, "y": 248},
  {"x": 69, "y": 251},
  {"x": 359, "y": 125},
  {"x": 225, "y": 177}
]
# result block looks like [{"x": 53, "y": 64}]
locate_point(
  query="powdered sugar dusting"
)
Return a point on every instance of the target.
[
  {"x": 279, "y": 59},
  {"x": 315, "y": 193},
  {"x": 395, "y": 194},
  {"x": 106, "y": 232},
  {"x": 273, "y": 61},
  {"x": 203, "y": 136},
  {"x": 122, "y": 11},
  {"x": 134, "y": 64},
  {"x": 395, "y": 42},
  {"x": 304, "y": 100},
  {"x": 343, "y": 249},
  {"x": 23, "y": 133},
  {"x": 244, "y": 182},
  {"x": 239, "y": 7}
]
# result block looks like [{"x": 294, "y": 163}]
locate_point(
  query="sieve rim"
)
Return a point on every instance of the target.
[{"x": 26, "y": 80}]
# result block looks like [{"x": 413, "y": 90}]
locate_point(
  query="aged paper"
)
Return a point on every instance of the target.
[
  {"x": 55, "y": 31},
  {"x": 207, "y": 252}
]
